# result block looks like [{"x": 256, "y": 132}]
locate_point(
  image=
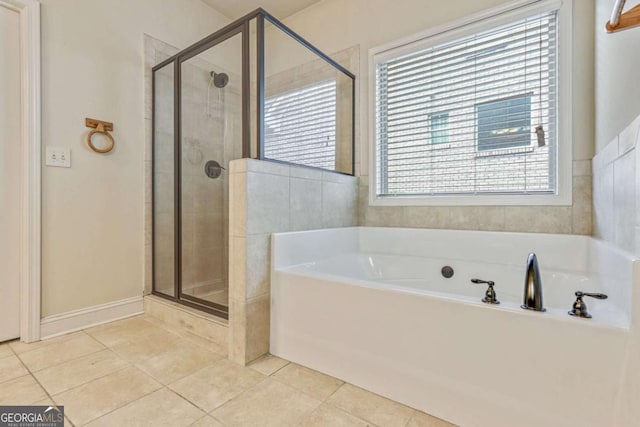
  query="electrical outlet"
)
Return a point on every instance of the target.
[{"x": 58, "y": 157}]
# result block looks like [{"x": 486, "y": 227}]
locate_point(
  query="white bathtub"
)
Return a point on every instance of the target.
[{"x": 370, "y": 306}]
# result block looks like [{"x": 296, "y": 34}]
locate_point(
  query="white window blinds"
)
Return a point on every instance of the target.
[
  {"x": 300, "y": 126},
  {"x": 459, "y": 118}
]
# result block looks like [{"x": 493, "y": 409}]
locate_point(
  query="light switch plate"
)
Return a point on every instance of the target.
[{"x": 58, "y": 157}]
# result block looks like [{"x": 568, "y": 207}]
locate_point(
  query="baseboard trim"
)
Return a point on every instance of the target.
[{"x": 71, "y": 321}]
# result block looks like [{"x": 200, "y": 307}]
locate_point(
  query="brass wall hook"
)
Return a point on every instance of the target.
[{"x": 99, "y": 127}]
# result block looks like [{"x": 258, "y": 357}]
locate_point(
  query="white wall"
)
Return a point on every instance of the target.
[
  {"x": 93, "y": 66},
  {"x": 617, "y": 92}
]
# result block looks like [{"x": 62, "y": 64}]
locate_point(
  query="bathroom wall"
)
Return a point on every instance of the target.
[
  {"x": 93, "y": 66},
  {"x": 617, "y": 92},
  {"x": 371, "y": 23},
  {"x": 265, "y": 198}
]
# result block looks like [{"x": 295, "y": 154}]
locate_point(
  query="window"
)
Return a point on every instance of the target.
[
  {"x": 300, "y": 126},
  {"x": 456, "y": 113},
  {"x": 504, "y": 124},
  {"x": 439, "y": 128}
]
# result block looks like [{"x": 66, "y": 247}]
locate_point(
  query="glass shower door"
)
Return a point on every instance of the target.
[
  {"x": 198, "y": 116},
  {"x": 210, "y": 136}
]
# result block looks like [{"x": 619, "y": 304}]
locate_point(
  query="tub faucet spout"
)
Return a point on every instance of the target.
[{"x": 532, "y": 285}]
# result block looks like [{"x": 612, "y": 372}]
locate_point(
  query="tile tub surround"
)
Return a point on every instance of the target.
[
  {"x": 268, "y": 197},
  {"x": 574, "y": 219},
  {"x": 376, "y": 284},
  {"x": 115, "y": 384},
  {"x": 616, "y": 190}
]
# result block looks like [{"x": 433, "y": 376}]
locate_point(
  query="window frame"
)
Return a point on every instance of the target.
[{"x": 485, "y": 20}]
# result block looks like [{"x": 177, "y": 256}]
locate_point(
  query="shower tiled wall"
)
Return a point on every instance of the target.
[
  {"x": 268, "y": 197},
  {"x": 616, "y": 190}
]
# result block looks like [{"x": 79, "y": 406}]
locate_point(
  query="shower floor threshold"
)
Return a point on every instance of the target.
[
  {"x": 190, "y": 319},
  {"x": 186, "y": 309}
]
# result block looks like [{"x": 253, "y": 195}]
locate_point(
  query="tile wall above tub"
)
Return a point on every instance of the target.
[
  {"x": 616, "y": 190},
  {"x": 574, "y": 219}
]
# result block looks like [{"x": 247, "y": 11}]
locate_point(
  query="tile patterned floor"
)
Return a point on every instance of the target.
[{"x": 137, "y": 372}]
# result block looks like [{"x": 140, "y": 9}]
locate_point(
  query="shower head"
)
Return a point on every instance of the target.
[{"x": 220, "y": 80}]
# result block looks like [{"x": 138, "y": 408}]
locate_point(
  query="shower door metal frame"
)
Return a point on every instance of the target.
[{"x": 239, "y": 27}]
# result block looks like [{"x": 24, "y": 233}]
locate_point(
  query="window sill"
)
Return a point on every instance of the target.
[
  {"x": 436, "y": 147},
  {"x": 564, "y": 199},
  {"x": 504, "y": 152}
]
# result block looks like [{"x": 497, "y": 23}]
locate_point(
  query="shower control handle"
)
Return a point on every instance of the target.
[
  {"x": 490, "y": 294},
  {"x": 213, "y": 169}
]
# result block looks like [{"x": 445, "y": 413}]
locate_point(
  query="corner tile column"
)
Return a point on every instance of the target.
[{"x": 264, "y": 198}]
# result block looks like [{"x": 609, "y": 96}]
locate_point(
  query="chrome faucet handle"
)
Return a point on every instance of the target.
[
  {"x": 579, "y": 308},
  {"x": 592, "y": 295},
  {"x": 490, "y": 294}
]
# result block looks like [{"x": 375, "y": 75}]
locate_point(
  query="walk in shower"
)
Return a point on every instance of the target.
[{"x": 252, "y": 89}]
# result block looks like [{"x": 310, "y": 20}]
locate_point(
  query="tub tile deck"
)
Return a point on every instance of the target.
[{"x": 136, "y": 372}]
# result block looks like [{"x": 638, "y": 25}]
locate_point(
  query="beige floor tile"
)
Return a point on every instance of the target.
[
  {"x": 5, "y": 350},
  {"x": 10, "y": 368},
  {"x": 420, "y": 419},
  {"x": 122, "y": 331},
  {"x": 270, "y": 403},
  {"x": 214, "y": 385},
  {"x": 160, "y": 408},
  {"x": 21, "y": 391},
  {"x": 198, "y": 340},
  {"x": 139, "y": 349},
  {"x": 98, "y": 397},
  {"x": 60, "y": 352},
  {"x": 207, "y": 421},
  {"x": 49, "y": 402},
  {"x": 182, "y": 360},
  {"x": 20, "y": 347},
  {"x": 79, "y": 371},
  {"x": 371, "y": 407},
  {"x": 312, "y": 382},
  {"x": 328, "y": 415},
  {"x": 268, "y": 364}
]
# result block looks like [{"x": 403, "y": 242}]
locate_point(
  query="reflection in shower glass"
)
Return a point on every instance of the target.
[
  {"x": 300, "y": 125},
  {"x": 308, "y": 116}
]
